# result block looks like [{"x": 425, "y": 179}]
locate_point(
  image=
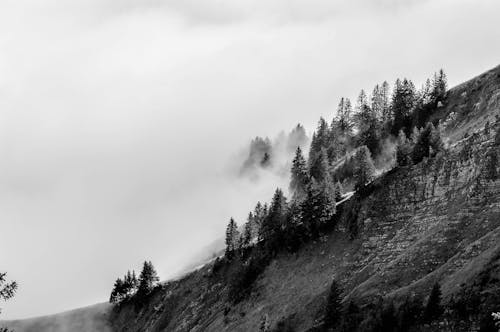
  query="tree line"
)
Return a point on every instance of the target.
[
  {"x": 131, "y": 287},
  {"x": 343, "y": 152},
  {"x": 340, "y": 158}
]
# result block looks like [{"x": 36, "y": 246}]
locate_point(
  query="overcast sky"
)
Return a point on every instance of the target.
[{"x": 120, "y": 120}]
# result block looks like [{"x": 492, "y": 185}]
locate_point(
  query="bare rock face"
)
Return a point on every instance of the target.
[{"x": 438, "y": 221}]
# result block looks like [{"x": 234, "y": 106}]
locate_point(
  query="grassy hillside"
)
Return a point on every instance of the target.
[{"x": 89, "y": 319}]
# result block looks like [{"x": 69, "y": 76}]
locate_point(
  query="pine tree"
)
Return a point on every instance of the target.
[
  {"x": 319, "y": 166},
  {"x": 117, "y": 294},
  {"x": 319, "y": 207},
  {"x": 130, "y": 283},
  {"x": 385, "y": 102},
  {"x": 333, "y": 306},
  {"x": 260, "y": 212},
  {"x": 403, "y": 102},
  {"x": 247, "y": 235},
  {"x": 320, "y": 139},
  {"x": 433, "y": 309},
  {"x": 7, "y": 289},
  {"x": 274, "y": 222},
  {"x": 296, "y": 138},
  {"x": 344, "y": 117},
  {"x": 403, "y": 150},
  {"x": 440, "y": 86},
  {"x": 299, "y": 176},
  {"x": 428, "y": 143},
  {"x": 232, "y": 236},
  {"x": 364, "y": 168},
  {"x": 147, "y": 279}
]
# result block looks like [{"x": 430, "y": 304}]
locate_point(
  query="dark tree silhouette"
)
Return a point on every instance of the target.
[
  {"x": 364, "y": 168},
  {"x": 433, "y": 309},
  {"x": 148, "y": 279},
  {"x": 333, "y": 308},
  {"x": 232, "y": 237},
  {"x": 299, "y": 176}
]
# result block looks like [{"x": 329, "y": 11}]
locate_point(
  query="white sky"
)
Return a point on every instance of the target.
[{"x": 119, "y": 120}]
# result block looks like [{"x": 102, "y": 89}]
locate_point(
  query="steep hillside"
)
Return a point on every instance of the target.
[{"x": 437, "y": 221}]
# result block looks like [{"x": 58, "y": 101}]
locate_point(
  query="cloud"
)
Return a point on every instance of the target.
[{"x": 118, "y": 119}]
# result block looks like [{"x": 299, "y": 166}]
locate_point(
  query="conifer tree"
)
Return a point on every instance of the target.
[
  {"x": 320, "y": 139},
  {"x": 440, "y": 86},
  {"x": 385, "y": 102},
  {"x": 319, "y": 207},
  {"x": 364, "y": 168},
  {"x": 367, "y": 122},
  {"x": 296, "y": 138},
  {"x": 232, "y": 236},
  {"x": 333, "y": 306},
  {"x": 403, "y": 102},
  {"x": 148, "y": 279},
  {"x": 274, "y": 222},
  {"x": 428, "y": 143},
  {"x": 344, "y": 117},
  {"x": 299, "y": 176},
  {"x": 247, "y": 235},
  {"x": 319, "y": 166},
  {"x": 403, "y": 150},
  {"x": 117, "y": 294},
  {"x": 130, "y": 283},
  {"x": 433, "y": 309},
  {"x": 259, "y": 214},
  {"x": 7, "y": 289}
]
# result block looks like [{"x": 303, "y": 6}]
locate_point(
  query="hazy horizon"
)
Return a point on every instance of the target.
[{"x": 122, "y": 124}]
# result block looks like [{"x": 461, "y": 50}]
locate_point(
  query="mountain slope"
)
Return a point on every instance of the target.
[
  {"x": 88, "y": 319},
  {"x": 438, "y": 221}
]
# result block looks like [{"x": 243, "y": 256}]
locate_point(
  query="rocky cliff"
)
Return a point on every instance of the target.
[{"x": 437, "y": 221}]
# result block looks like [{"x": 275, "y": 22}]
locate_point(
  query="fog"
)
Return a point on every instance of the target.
[{"x": 121, "y": 121}]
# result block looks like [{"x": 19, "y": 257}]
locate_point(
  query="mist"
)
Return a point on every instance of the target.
[{"x": 121, "y": 122}]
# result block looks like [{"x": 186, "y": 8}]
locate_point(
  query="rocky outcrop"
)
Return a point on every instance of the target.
[{"x": 438, "y": 221}]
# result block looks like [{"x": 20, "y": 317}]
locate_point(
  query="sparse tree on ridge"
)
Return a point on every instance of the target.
[
  {"x": 385, "y": 102},
  {"x": 403, "y": 102},
  {"x": 118, "y": 292},
  {"x": 320, "y": 139},
  {"x": 246, "y": 237},
  {"x": 368, "y": 124},
  {"x": 296, "y": 138},
  {"x": 440, "y": 86},
  {"x": 299, "y": 176},
  {"x": 344, "y": 117},
  {"x": 148, "y": 278},
  {"x": 232, "y": 237},
  {"x": 274, "y": 222},
  {"x": 364, "y": 168},
  {"x": 7, "y": 289}
]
